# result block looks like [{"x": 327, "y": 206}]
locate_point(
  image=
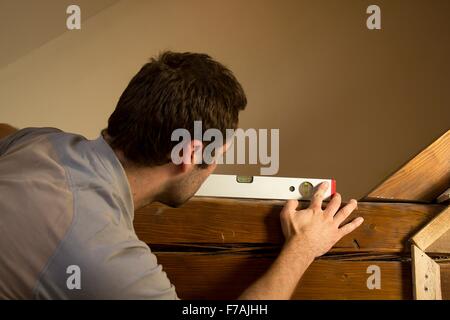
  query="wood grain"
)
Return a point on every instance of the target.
[
  {"x": 215, "y": 248},
  {"x": 219, "y": 222},
  {"x": 225, "y": 276},
  {"x": 445, "y": 279},
  {"x": 434, "y": 235},
  {"x": 422, "y": 179},
  {"x": 6, "y": 129},
  {"x": 441, "y": 245},
  {"x": 426, "y": 276}
]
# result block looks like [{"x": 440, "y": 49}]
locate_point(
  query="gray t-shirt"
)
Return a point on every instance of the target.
[{"x": 66, "y": 222}]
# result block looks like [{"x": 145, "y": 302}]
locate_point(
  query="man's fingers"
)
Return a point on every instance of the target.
[
  {"x": 317, "y": 198},
  {"x": 290, "y": 206},
  {"x": 333, "y": 205},
  {"x": 349, "y": 227},
  {"x": 345, "y": 211}
]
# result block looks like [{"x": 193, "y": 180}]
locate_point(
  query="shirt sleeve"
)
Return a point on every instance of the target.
[
  {"x": 134, "y": 273},
  {"x": 127, "y": 271}
]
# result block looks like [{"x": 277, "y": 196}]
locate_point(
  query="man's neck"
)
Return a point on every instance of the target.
[{"x": 146, "y": 183}]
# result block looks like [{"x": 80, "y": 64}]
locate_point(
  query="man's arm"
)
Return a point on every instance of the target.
[
  {"x": 6, "y": 130},
  {"x": 309, "y": 233}
]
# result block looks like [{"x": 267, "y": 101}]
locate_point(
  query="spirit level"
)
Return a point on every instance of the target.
[{"x": 262, "y": 187}]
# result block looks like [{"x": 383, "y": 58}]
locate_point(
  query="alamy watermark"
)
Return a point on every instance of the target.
[
  {"x": 73, "y": 281},
  {"x": 374, "y": 280},
  {"x": 73, "y": 21},
  {"x": 236, "y": 152}
]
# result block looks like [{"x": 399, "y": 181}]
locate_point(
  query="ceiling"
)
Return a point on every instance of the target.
[{"x": 28, "y": 24}]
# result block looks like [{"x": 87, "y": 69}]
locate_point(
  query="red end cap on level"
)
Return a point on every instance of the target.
[{"x": 333, "y": 186}]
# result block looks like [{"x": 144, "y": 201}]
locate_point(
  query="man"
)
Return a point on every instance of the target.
[{"x": 67, "y": 203}]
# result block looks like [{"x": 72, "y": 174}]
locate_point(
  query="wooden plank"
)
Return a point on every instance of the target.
[
  {"x": 441, "y": 245},
  {"x": 6, "y": 129},
  {"x": 433, "y": 231},
  {"x": 387, "y": 227},
  {"x": 423, "y": 178},
  {"x": 445, "y": 279},
  {"x": 225, "y": 276},
  {"x": 426, "y": 276}
]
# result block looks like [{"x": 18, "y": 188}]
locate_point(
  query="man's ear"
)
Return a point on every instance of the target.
[{"x": 192, "y": 155}]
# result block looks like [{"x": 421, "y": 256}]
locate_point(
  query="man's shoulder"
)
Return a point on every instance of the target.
[
  {"x": 35, "y": 137},
  {"x": 53, "y": 149},
  {"x": 23, "y": 136}
]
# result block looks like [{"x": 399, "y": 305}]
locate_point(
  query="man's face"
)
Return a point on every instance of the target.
[{"x": 185, "y": 187}]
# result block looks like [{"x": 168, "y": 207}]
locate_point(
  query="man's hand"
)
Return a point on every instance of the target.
[
  {"x": 309, "y": 234},
  {"x": 315, "y": 230}
]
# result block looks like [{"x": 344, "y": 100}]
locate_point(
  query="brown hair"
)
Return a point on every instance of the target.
[{"x": 170, "y": 92}]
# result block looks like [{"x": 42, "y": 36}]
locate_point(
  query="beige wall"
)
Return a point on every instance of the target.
[
  {"x": 350, "y": 103},
  {"x": 28, "y": 24}
]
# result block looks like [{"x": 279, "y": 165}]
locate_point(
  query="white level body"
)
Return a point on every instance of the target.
[{"x": 262, "y": 187}]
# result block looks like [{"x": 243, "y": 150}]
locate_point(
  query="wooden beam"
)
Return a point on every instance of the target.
[
  {"x": 226, "y": 222},
  {"x": 215, "y": 248},
  {"x": 225, "y": 276},
  {"x": 429, "y": 238},
  {"x": 426, "y": 276},
  {"x": 422, "y": 179},
  {"x": 445, "y": 279},
  {"x": 441, "y": 245},
  {"x": 6, "y": 129}
]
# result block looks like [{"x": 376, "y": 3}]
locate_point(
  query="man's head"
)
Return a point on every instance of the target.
[{"x": 169, "y": 93}]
